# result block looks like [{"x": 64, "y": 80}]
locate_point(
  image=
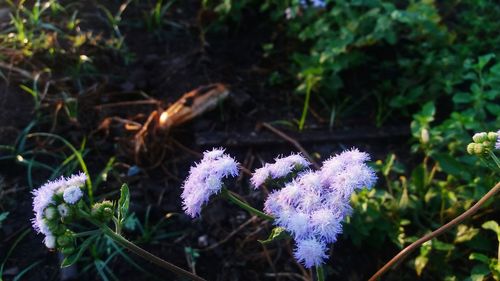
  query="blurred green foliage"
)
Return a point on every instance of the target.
[{"x": 432, "y": 62}]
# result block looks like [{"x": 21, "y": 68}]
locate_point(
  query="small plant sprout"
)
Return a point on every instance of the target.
[
  {"x": 59, "y": 205},
  {"x": 310, "y": 207}
]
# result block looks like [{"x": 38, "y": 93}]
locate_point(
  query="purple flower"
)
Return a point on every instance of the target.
[
  {"x": 72, "y": 194},
  {"x": 205, "y": 179},
  {"x": 310, "y": 252},
  {"x": 282, "y": 167},
  {"x": 45, "y": 202},
  {"x": 313, "y": 205},
  {"x": 314, "y": 3},
  {"x": 497, "y": 144}
]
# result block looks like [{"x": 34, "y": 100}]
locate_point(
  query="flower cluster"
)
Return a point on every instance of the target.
[
  {"x": 53, "y": 203},
  {"x": 313, "y": 205},
  {"x": 281, "y": 168},
  {"x": 205, "y": 179},
  {"x": 483, "y": 142}
]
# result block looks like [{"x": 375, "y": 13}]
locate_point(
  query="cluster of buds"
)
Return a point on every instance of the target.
[
  {"x": 58, "y": 203},
  {"x": 55, "y": 205},
  {"x": 483, "y": 143}
]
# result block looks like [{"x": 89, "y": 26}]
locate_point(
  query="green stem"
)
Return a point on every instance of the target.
[
  {"x": 309, "y": 85},
  {"x": 495, "y": 158},
  {"x": 86, "y": 233},
  {"x": 231, "y": 197},
  {"x": 320, "y": 273},
  {"x": 141, "y": 252}
]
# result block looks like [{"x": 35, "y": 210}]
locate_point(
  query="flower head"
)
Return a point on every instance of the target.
[
  {"x": 313, "y": 205},
  {"x": 310, "y": 252},
  {"x": 281, "y": 168},
  {"x": 47, "y": 204},
  {"x": 205, "y": 179}
]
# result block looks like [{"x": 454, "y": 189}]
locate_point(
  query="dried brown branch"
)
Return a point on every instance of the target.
[
  {"x": 292, "y": 141},
  {"x": 413, "y": 246}
]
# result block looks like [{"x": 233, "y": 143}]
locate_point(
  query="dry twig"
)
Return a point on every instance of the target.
[{"x": 413, "y": 246}]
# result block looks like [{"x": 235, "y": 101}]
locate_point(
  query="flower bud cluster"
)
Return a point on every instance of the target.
[
  {"x": 54, "y": 205},
  {"x": 205, "y": 179},
  {"x": 313, "y": 205},
  {"x": 281, "y": 168},
  {"x": 483, "y": 143},
  {"x": 103, "y": 211}
]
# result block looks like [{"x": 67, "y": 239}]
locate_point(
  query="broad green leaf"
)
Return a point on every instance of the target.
[
  {"x": 462, "y": 98},
  {"x": 483, "y": 60},
  {"x": 479, "y": 272},
  {"x": 492, "y": 225},
  {"x": 442, "y": 246},
  {"x": 451, "y": 166},
  {"x": 479, "y": 257}
]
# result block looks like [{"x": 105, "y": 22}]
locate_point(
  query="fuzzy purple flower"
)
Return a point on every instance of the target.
[
  {"x": 281, "y": 168},
  {"x": 497, "y": 144},
  {"x": 314, "y": 3},
  {"x": 72, "y": 194},
  {"x": 45, "y": 203},
  {"x": 313, "y": 205},
  {"x": 205, "y": 179},
  {"x": 310, "y": 252}
]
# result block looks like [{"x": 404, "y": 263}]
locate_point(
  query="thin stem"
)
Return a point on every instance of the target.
[
  {"x": 320, "y": 273},
  {"x": 306, "y": 103},
  {"x": 86, "y": 233},
  {"x": 413, "y": 246},
  {"x": 495, "y": 158},
  {"x": 141, "y": 252},
  {"x": 147, "y": 255},
  {"x": 231, "y": 197}
]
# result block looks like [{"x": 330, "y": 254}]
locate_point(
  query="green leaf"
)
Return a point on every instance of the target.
[
  {"x": 420, "y": 263},
  {"x": 124, "y": 202},
  {"x": 483, "y": 60},
  {"x": 462, "y": 98},
  {"x": 465, "y": 233},
  {"x": 276, "y": 234},
  {"x": 451, "y": 166},
  {"x": 70, "y": 260},
  {"x": 479, "y": 272},
  {"x": 492, "y": 225},
  {"x": 442, "y": 246},
  {"x": 479, "y": 257}
]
